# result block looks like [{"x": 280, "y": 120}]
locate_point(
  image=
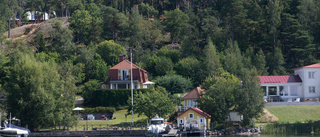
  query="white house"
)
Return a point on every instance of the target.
[
  {"x": 304, "y": 85},
  {"x": 32, "y": 15}
]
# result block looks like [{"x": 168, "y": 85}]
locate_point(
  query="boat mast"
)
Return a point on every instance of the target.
[{"x": 10, "y": 121}]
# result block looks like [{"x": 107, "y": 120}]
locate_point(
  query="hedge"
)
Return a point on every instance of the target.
[{"x": 110, "y": 97}]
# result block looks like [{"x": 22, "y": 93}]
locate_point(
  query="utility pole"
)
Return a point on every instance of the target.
[{"x": 131, "y": 86}]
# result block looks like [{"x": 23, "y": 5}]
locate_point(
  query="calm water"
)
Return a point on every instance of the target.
[{"x": 304, "y": 135}]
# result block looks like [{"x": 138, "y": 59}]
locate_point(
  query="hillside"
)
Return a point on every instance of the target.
[{"x": 27, "y": 32}]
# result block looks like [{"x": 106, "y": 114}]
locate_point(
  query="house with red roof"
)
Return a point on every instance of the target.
[
  {"x": 303, "y": 85},
  {"x": 120, "y": 76},
  {"x": 195, "y": 117},
  {"x": 191, "y": 99}
]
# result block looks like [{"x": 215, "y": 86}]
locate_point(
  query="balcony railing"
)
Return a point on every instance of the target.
[{"x": 122, "y": 79}]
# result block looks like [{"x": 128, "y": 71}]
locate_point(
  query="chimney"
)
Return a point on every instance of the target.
[{"x": 122, "y": 57}]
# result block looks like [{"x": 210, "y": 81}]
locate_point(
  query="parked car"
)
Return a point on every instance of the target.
[{"x": 90, "y": 117}]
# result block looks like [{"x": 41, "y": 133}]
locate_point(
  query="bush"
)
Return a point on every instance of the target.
[{"x": 174, "y": 83}]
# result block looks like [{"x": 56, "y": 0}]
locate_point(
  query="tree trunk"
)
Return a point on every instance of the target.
[
  {"x": 67, "y": 10},
  {"x": 274, "y": 38},
  {"x": 9, "y": 23},
  {"x": 232, "y": 30},
  {"x": 61, "y": 9}
]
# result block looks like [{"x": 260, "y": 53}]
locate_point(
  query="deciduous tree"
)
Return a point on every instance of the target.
[{"x": 152, "y": 103}]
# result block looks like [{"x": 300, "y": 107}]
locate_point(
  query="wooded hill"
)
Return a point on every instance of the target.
[
  {"x": 181, "y": 43},
  {"x": 285, "y": 30}
]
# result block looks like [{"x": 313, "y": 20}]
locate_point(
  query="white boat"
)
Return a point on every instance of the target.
[
  {"x": 13, "y": 132},
  {"x": 157, "y": 125},
  {"x": 10, "y": 130}
]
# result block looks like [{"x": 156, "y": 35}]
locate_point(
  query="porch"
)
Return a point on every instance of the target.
[{"x": 282, "y": 92}]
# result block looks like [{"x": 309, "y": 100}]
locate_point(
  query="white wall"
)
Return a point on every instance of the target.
[{"x": 307, "y": 82}]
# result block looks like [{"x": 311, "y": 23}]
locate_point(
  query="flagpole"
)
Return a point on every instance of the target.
[{"x": 131, "y": 86}]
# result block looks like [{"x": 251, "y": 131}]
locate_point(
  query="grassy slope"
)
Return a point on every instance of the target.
[
  {"x": 293, "y": 114},
  {"x": 120, "y": 119}
]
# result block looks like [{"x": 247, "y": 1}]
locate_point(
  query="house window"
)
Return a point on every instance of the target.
[
  {"x": 103, "y": 86},
  {"x": 312, "y": 89},
  {"x": 272, "y": 90},
  {"x": 201, "y": 120},
  {"x": 181, "y": 121},
  {"x": 124, "y": 74},
  {"x": 311, "y": 75},
  {"x": 192, "y": 103},
  {"x": 190, "y": 115}
]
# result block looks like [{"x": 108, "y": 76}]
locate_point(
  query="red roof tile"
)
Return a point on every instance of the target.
[
  {"x": 310, "y": 66},
  {"x": 137, "y": 72},
  {"x": 279, "y": 79},
  {"x": 194, "y": 94},
  {"x": 199, "y": 111},
  {"x": 126, "y": 64}
]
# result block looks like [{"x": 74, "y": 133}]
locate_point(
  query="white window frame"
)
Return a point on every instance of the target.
[
  {"x": 201, "y": 120},
  {"x": 192, "y": 115},
  {"x": 127, "y": 71},
  {"x": 311, "y": 74},
  {"x": 181, "y": 121},
  {"x": 191, "y": 103},
  {"x": 312, "y": 89}
]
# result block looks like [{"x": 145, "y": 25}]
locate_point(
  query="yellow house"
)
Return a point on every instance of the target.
[{"x": 195, "y": 117}]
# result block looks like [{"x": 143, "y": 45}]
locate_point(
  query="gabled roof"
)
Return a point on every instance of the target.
[
  {"x": 280, "y": 79},
  {"x": 317, "y": 65},
  {"x": 199, "y": 111},
  {"x": 126, "y": 64},
  {"x": 194, "y": 94}
]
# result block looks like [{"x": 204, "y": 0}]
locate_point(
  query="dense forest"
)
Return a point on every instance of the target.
[{"x": 185, "y": 42}]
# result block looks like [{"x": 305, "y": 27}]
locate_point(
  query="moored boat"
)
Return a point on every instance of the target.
[{"x": 157, "y": 125}]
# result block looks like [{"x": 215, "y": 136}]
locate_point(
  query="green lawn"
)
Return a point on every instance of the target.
[
  {"x": 120, "y": 120},
  {"x": 293, "y": 114}
]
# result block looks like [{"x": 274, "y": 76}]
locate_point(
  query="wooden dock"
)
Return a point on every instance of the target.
[{"x": 172, "y": 133}]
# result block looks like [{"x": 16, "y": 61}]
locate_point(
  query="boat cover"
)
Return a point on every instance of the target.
[{"x": 14, "y": 126}]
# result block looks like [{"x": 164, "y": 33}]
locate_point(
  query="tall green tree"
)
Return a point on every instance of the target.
[
  {"x": 110, "y": 51},
  {"x": 220, "y": 98},
  {"x": 175, "y": 22},
  {"x": 211, "y": 58},
  {"x": 36, "y": 94},
  {"x": 191, "y": 68},
  {"x": 249, "y": 100},
  {"x": 114, "y": 23},
  {"x": 86, "y": 28},
  {"x": 147, "y": 10},
  {"x": 232, "y": 60},
  {"x": 61, "y": 41}
]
